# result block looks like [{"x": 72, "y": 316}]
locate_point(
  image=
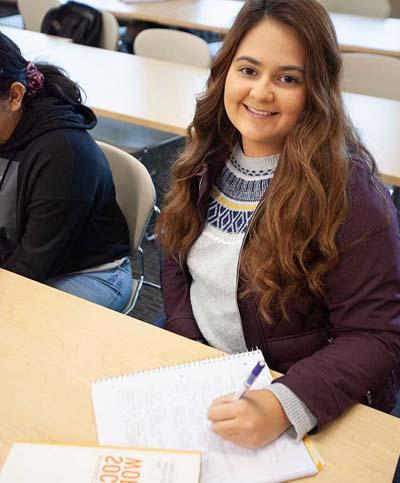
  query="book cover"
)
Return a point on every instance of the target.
[{"x": 46, "y": 463}]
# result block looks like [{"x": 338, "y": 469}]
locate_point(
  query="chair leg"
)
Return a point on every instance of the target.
[
  {"x": 151, "y": 284},
  {"x": 141, "y": 281}
]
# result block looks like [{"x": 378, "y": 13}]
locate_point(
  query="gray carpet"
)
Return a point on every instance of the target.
[
  {"x": 158, "y": 162},
  {"x": 7, "y": 9},
  {"x": 149, "y": 306}
]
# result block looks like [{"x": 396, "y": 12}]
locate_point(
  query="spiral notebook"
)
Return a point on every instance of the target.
[{"x": 167, "y": 407}]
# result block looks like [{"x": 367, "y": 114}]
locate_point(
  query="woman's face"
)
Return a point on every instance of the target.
[
  {"x": 264, "y": 89},
  {"x": 11, "y": 111}
]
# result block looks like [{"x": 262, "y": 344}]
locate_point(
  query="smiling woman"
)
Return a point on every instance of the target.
[
  {"x": 277, "y": 233},
  {"x": 264, "y": 89}
]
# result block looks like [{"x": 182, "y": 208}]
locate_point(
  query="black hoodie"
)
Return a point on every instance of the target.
[{"x": 67, "y": 218}]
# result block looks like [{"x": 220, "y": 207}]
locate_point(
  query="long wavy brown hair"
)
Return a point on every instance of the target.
[{"x": 292, "y": 240}]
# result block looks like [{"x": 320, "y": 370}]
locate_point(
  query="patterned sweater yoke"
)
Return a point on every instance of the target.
[{"x": 238, "y": 189}]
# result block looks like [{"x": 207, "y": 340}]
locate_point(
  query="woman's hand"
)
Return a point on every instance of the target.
[{"x": 252, "y": 421}]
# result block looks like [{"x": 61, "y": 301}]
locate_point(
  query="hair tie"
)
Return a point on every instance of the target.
[{"x": 35, "y": 79}]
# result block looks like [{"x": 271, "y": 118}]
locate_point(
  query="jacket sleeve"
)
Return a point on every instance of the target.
[
  {"x": 177, "y": 305},
  {"x": 57, "y": 204},
  {"x": 363, "y": 300}
]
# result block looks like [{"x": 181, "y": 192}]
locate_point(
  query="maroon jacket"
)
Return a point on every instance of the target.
[{"x": 346, "y": 349}]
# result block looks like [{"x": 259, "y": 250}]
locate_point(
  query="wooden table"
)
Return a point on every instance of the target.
[
  {"x": 210, "y": 15},
  {"x": 355, "y": 33},
  {"x": 378, "y": 122},
  {"x": 161, "y": 95},
  {"x": 367, "y": 34},
  {"x": 137, "y": 90},
  {"x": 53, "y": 345}
]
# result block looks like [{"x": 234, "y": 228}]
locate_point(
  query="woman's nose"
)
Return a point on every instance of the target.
[{"x": 263, "y": 91}]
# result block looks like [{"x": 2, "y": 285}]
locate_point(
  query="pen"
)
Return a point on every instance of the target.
[{"x": 250, "y": 380}]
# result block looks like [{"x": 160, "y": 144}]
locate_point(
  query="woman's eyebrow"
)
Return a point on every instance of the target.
[
  {"x": 254, "y": 61},
  {"x": 292, "y": 67},
  {"x": 248, "y": 59}
]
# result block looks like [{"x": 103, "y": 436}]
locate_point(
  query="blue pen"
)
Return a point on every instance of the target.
[{"x": 250, "y": 380}]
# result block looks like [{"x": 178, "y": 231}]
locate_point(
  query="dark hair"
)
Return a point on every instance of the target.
[
  {"x": 13, "y": 69},
  {"x": 292, "y": 242}
]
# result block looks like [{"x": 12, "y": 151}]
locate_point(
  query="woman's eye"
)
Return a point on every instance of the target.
[
  {"x": 247, "y": 71},
  {"x": 288, "y": 79}
]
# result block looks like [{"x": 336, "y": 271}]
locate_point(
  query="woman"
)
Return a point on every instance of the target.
[
  {"x": 59, "y": 220},
  {"x": 278, "y": 234}
]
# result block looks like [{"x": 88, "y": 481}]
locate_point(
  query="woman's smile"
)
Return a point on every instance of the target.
[{"x": 259, "y": 113}]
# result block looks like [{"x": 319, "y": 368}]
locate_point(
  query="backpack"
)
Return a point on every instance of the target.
[{"x": 79, "y": 22}]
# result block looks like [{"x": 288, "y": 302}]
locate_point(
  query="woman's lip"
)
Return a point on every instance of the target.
[{"x": 258, "y": 113}]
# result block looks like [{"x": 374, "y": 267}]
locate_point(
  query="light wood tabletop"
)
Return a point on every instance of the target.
[
  {"x": 378, "y": 122},
  {"x": 367, "y": 34},
  {"x": 137, "y": 90},
  {"x": 355, "y": 33},
  {"x": 161, "y": 95},
  {"x": 54, "y": 345},
  {"x": 210, "y": 15}
]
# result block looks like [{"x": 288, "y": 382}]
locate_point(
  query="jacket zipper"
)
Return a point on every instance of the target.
[
  {"x": 244, "y": 240},
  {"x": 240, "y": 255},
  {"x": 328, "y": 336}
]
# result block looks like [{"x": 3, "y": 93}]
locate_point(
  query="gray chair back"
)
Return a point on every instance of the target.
[
  {"x": 172, "y": 46},
  {"x": 135, "y": 192},
  {"x": 371, "y": 75}
]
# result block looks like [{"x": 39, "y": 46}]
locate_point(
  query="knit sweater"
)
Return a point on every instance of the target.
[{"x": 213, "y": 264}]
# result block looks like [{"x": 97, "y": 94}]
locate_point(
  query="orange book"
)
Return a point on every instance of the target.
[{"x": 52, "y": 463}]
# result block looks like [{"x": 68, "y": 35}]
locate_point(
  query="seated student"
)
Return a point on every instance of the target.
[
  {"x": 278, "y": 234},
  {"x": 59, "y": 220}
]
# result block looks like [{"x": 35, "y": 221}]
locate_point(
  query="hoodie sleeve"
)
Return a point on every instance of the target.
[{"x": 57, "y": 195}]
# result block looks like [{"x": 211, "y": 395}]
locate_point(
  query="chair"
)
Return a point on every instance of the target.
[
  {"x": 372, "y": 75},
  {"x": 136, "y": 197},
  {"x": 172, "y": 46},
  {"x": 34, "y": 11},
  {"x": 163, "y": 44},
  {"x": 110, "y": 32},
  {"x": 368, "y": 8}
]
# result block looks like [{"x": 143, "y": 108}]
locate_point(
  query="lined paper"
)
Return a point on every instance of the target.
[{"x": 167, "y": 408}]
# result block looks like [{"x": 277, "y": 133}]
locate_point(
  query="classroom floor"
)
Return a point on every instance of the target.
[
  {"x": 149, "y": 306},
  {"x": 158, "y": 161},
  {"x": 7, "y": 9}
]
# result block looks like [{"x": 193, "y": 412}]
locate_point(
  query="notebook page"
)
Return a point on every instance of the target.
[{"x": 167, "y": 409}]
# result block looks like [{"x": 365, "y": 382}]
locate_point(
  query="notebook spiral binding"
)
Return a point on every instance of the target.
[{"x": 184, "y": 365}]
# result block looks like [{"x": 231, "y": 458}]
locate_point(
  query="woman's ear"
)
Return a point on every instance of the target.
[{"x": 16, "y": 95}]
